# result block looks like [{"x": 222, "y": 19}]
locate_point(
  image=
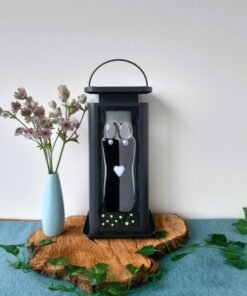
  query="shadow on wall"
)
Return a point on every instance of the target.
[{"x": 162, "y": 120}]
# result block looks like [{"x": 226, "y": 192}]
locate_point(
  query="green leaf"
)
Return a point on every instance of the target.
[
  {"x": 112, "y": 289},
  {"x": 97, "y": 274},
  {"x": 62, "y": 288},
  {"x": 231, "y": 254},
  {"x": 100, "y": 268},
  {"x": 179, "y": 256},
  {"x": 25, "y": 267},
  {"x": 41, "y": 244},
  {"x": 74, "y": 270},
  {"x": 148, "y": 251},
  {"x": 160, "y": 234},
  {"x": 11, "y": 249},
  {"x": 245, "y": 212},
  {"x": 238, "y": 263},
  {"x": 58, "y": 261},
  {"x": 134, "y": 270},
  {"x": 241, "y": 226},
  {"x": 156, "y": 277},
  {"x": 239, "y": 244},
  {"x": 45, "y": 242},
  {"x": 217, "y": 240},
  {"x": 24, "y": 245}
]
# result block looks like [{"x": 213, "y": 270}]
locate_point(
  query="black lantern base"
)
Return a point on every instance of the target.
[{"x": 130, "y": 233}]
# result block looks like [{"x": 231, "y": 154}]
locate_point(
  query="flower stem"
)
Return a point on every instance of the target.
[
  {"x": 66, "y": 141},
  {"x": 60, "y": 156},
  {"x": 20, "y": 121},
  {"x": 47, "y": 161},
  {"x": 84, "y": 111},
  {"x": 54, "y": 144}
]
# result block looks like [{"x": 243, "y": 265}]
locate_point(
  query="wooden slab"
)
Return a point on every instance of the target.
[{"x": 117, "y": 253}]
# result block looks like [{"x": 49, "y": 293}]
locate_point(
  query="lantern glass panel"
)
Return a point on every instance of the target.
[{"x": 119, "y": 204}]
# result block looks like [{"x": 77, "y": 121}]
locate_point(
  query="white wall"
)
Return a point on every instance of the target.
[{"x": 195, "y": 56}]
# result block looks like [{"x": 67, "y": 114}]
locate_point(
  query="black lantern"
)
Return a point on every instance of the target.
[{"x": 118, "y": 162}]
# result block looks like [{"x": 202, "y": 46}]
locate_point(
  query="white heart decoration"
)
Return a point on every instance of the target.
[{"x": 119, "y": 170}]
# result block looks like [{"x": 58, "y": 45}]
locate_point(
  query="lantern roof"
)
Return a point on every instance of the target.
[{"x": 118, "y": 89}]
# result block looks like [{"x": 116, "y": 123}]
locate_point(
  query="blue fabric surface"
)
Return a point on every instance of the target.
[{"x": 203, "y": 273}]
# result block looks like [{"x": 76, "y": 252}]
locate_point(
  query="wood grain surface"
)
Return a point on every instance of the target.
[{"x": 117, "y": 253}]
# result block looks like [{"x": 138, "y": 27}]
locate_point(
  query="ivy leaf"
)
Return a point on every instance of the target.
[
  {"x": 179, "y": 256},
  {"x": 245, "y": 212},
  {"x": 11, "y": 249},
  {"x": 24, "y": 245},
  {"x": 241, "y": 226},
  {"x": 97, "y": 274},
  {"x": 42, "y": 243},
  {"x": 62, "y": 288},
  {"x": 58, "y": 261},
  {"x": 134, "y": 270},
  {"x": 148, "y": 251},
  {"x": 45, "y": 242},
  {"x": 239, "y": 244},
  {"x": 156, "y": 277},
  {"x": 238, "y": 263},
  {"x": 232, "y": 254},
  {"x": 25, "y": 267},
  {"x": 160, "y": 234},
  {"x": 218, "y": 240},
  {"x": 74, "y": 270},
  {"x": 112, "y": 289}
]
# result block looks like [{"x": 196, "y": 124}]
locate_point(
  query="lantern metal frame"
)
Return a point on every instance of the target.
[{"x": 118, "y": 98}]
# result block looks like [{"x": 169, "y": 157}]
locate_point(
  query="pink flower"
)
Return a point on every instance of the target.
[
  {"x": 76, "y": 123},
  {"x": 40, "y": 121},
  {"x": 15, "y": 106},
  {"x": 45, "y": 133},
  {"x": 74, "y": 107},
  {"x": 66, "y": 125},
  {"x": 26, "y": 112},
  {"x": 33, "y": 104},
  {"x": 56, "y": 113},
  {"x": 29, "y": 133},
  {"x": 39, "y": 111},
  {"x": 19, "y": 131},
  {"x": 20, "y": 94},
  {"x": 52, "y": 104},
  {"x": 63, "y": 93},
  {"x": 82, "y": 99}
]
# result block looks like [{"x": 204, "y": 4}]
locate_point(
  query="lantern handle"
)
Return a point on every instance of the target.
[{"x": 118, "y": 60}]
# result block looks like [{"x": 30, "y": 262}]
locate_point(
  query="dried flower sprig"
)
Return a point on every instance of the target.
[{"x": 46, "y": 128}]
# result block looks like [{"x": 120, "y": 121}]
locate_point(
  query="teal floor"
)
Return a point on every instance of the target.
[{"x": 203, "y": 273}]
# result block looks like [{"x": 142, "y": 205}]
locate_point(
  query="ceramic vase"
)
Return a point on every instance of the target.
[{"x": 53, "y": 206}]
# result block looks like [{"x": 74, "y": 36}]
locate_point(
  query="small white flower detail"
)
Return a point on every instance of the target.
[
  {"x": 131, "y": 214},
  {"x": 120, "y": 217},
  {"x": 102, "y": 215},
  {"x": 103, "y": 224},
  {"x": 111, "y": 216},
  {"x": 107, "y": 221},
  {"x": 126, "y": 223},
  {"x": 112, "y": 225},
  {"x": 133, "y": 221},
  {"x": 115, "y": 221}
]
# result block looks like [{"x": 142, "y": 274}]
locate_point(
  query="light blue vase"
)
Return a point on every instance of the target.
[{"x": 53, "y": 207}]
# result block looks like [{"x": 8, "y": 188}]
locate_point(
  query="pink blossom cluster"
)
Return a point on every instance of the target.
[
  {"x": 43, "y": 123},
  {"x": 40, "y": 125}
]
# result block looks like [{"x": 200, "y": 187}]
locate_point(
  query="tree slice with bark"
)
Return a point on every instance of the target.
[{"x": 117, "y": 253}]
